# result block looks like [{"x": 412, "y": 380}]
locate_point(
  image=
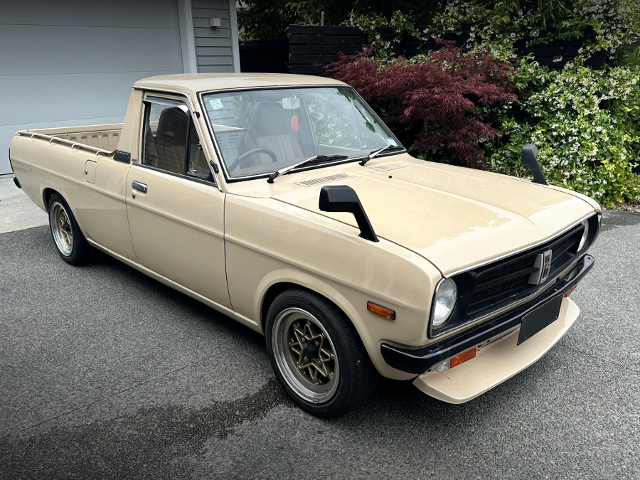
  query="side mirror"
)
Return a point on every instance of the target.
[
  {"x": 530, "y": 159},
  {"x": 341, "y": 198}
]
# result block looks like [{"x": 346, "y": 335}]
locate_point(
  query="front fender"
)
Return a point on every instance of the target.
[{"x": 269, "y": 243}]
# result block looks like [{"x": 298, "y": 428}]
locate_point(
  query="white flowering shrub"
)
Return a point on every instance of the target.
[{"x": 581, "y": 121}]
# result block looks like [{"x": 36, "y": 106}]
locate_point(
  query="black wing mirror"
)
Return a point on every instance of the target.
[
  {"x": 530, "y": 159},
  {"x": 341, "y": 198}
]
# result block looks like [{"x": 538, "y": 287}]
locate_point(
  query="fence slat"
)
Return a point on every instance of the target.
[
  {"x": 312, "y": 59},
  {"x": 322, "y": 49},
  {"x": 342, "y": 40},
  {"x": 305, "y": 39},
  {"x": 306, "y": 69}
]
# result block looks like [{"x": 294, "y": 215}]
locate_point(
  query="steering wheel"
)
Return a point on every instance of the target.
[{"x": 253, "y": 151}]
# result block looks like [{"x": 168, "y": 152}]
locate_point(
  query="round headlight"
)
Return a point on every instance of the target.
[
  {"x": 585, "y": 234},
  {"x": 444, "y": 301}
]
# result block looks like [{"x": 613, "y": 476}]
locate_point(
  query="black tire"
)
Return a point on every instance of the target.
[
  {"x": 67, "y": 236},
  {"x": 344, "y": 382}
]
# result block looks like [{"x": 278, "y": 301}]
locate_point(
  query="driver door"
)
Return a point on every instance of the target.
[{"x": 175, "y": 209}]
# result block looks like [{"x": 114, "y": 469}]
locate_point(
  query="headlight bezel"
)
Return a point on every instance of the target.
[
  {"x": 442, "y": 285},
  {"x": 583, "y": 244}
]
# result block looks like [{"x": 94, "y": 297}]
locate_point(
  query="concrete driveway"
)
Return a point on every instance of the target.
[{"x": 105, "y": 373}]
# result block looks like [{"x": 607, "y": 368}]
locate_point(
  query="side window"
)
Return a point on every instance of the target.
[{"x": 171, "y": 141}]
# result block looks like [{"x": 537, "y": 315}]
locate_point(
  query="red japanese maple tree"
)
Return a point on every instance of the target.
[{"x": 433, "y": 105}]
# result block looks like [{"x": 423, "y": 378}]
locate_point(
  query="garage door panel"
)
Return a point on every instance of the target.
[
  {"x": 124, "y": 13},
  {"x": 48, "y": 98},
  {"x": 102, "y": 50},
  {"x": 73, "y": 62}
]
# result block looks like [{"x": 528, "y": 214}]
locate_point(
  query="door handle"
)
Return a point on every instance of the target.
[{"x": 141, "y": 187}]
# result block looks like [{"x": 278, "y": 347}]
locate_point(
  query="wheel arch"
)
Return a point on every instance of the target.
[
  {"x": 277, "y": 288},
  {"x": 46, "y": 195},
  {"x": 278, "y": 282},
  {"x": 47, "y": 192},
  {"x": 272, "y": 287}
]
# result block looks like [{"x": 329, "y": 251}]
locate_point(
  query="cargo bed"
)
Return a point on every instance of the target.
[{"x": 103, "y": 138}]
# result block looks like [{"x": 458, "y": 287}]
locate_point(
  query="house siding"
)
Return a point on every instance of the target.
[{"x": 213, "y": 45}]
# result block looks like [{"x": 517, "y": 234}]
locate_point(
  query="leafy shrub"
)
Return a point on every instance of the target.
[{"x": 432, "y": 102}]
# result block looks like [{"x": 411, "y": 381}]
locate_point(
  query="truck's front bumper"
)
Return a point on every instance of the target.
[
  {"x": 420, "y": 360},
  {"x": 496, "y": 362}
]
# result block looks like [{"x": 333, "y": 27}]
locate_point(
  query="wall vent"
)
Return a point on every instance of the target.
[{"x": 329, "y": 178}]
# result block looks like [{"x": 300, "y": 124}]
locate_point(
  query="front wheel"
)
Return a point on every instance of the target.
[
  {"x": 317, "y": 355},
  {"x": 66, "y": 233}
]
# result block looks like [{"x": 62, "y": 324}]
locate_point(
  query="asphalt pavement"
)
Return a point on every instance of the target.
[{"x": 105, "y": 373}]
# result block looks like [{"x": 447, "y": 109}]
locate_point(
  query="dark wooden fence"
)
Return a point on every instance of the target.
[
  {"x": 271, "y": 56},
  {"x": 312, "y": 47},
  {"x": 545, "y": 54}
]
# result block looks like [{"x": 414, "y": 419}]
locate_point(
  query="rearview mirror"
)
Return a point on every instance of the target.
[{"x": 290, "y": 103}]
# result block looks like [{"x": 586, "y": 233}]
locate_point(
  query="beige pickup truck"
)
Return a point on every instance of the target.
[{"x": 285, "y": 203}]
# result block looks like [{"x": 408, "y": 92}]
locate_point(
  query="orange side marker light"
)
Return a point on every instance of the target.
[
  {"x": 382, "y": 311},
  {"x": 462, "y": 357},
  {"x": 570, "y": 291}
]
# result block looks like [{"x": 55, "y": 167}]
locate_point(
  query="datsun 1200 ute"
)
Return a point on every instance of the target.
[{"x": 285, "y": 203}]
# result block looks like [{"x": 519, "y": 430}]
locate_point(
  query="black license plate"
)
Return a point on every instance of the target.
[{"x": 541, "y": 317}]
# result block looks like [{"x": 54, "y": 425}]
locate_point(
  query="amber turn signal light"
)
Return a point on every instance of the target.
[
  {"x": 382, "y": 311},
  {"x": 569, "y": 292},
  {"x": 463, "y": 357}
]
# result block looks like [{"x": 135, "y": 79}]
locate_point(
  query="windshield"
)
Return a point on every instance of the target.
[{"x": 262, "y": 131}]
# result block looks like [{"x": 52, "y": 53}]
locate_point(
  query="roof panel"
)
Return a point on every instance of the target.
[{"x": 193, "y": 83}]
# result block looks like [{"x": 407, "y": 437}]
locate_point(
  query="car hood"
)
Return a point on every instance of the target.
[{"x": 454, "y": 217}]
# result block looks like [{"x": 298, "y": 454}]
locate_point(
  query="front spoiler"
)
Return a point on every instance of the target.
[
  {"x": 422, "y": 359},
  {"x": 496, "y": 362}
]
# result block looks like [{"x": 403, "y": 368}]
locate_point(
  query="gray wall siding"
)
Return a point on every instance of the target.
[
  {"x": 72, "y": 62},
  {"x": 213, "y": 45}
]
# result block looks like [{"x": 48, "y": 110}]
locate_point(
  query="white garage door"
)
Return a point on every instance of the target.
[{"x": 72, "y": 62}]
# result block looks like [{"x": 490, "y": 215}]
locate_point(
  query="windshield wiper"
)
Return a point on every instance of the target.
[
  {"x": 375, "y": 153},
  {"x": 308, "y": 161}
]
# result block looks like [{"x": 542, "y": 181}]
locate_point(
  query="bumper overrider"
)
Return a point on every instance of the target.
[{"x": 420, "y": 360}]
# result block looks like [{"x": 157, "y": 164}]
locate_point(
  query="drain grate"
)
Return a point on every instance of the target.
[{"x": 329, "y": 178}]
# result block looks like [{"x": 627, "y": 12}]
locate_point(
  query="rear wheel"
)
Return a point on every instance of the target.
[
  {"x": 317, "y": 355},
  {"x": 68, "y": 238}
]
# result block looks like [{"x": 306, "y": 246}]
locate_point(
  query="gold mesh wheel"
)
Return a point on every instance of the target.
[{"x": 305, "y": 355}]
